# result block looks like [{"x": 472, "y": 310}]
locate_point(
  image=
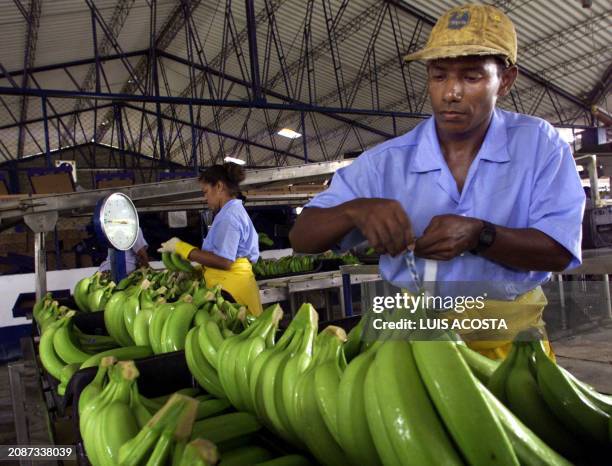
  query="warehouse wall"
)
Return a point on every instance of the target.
[{"x": 107, "y": 160}]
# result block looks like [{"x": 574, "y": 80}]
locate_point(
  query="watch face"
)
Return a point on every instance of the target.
[{"x": 119, "y": 221}]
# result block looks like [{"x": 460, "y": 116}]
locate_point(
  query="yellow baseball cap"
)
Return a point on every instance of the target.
[{"x": 470, "y": 30}]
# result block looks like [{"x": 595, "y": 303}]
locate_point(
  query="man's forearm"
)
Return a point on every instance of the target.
[
  {"x": 317, "y": 230},
  {"x": 527, "y": 249}
]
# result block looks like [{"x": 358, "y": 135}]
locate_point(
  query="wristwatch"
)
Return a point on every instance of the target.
[{"x": 486, "y": 237}]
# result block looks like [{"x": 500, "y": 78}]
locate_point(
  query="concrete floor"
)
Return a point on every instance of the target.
[{"x": 588, "y": 356}]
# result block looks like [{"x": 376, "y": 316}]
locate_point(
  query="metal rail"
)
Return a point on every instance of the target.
[{"x": 161, "y": 191}]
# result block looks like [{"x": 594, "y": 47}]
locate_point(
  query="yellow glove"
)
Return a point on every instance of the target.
[{"x": 183, "y": 249}]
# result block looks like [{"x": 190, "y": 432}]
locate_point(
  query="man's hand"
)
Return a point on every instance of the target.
[
  {"x": 170, "y": 245},
  {"x": 448, "y": 236},
  {"x": 384, "y": 223}
]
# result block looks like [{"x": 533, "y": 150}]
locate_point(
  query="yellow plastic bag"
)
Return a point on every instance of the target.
[{"x": 522, "y": 313}]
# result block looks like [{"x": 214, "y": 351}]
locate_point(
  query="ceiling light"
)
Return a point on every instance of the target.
[
  {"x": 289, "y": 133},
  {"x": 298, "y": 210},
  {"x": 579, "y": 168},
  {"x": 234, "y": 160}
]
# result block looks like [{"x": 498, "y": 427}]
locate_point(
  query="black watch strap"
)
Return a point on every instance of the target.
[{"x": 486, "y": 237}]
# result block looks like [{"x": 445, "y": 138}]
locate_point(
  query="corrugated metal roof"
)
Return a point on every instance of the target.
[{"x": 558, "y": 40}]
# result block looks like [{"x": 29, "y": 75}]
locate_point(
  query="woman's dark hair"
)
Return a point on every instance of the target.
[{"x": 231, "y": 174}]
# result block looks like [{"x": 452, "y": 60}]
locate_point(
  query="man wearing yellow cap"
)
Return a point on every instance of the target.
[{"x": 490, "y": 197}]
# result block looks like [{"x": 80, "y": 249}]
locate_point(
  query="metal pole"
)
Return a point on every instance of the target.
[
  {"x": 304, "y": 137},
  {"x": 564, "y": 323},
  {"x": 194, "y": 146},
  {"x": 348, "y": 297},
  {"x": 96, "y": 54},
  {"x": 606, "y": 285},
  {"x": 46, "y": 127},
  {"x": 254, "y": 59},
  {"x": 40, "y": 265}
]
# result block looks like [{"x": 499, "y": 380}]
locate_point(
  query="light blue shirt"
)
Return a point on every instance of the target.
[
  {"x": 524, "y": 176},
  {"x": 232, "y": 234}
]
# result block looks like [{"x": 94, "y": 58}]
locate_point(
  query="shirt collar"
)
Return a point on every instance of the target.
[{"x": 429, "y": 156}]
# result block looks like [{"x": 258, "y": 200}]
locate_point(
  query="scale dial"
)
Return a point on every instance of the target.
[{"x": 119, "y": 221}]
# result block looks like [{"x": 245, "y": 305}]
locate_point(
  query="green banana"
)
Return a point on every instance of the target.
[
  {"x": 50, "y": 360},
  {"x": 204, "y": 373},
  {"x": 327, "y": 381},
  {"x": 160, "y": 314},
  {"x": 115, "y": 422},
  {"x": 213, "y": 407},
  {"x": 260, "y": 336},
  {"x": 96, "y": 300},
  {"x": 497, "y": 380},
  {"x": 176, "y": 327},
  {"x": 139, "y": 408},
  {"x": 64, "y": 342},
  {"x": 141, "y": 327},
  {"x": 603, "y": 402},
  {"x": 410, "y": 417},
  {"x": 94, "y": 343},
  {"x": 181, "y": 264},
  {"x": 288, "y": 338},
  {"x": 121, "y": 378},
  {"x": 314, "y": 431},
  {"x": 481, "y": 366},
  {"x": 199, "y": 452},
  {"x": 80, "y": 293},
  {"x": 67, "y": 372},
  {"x": 245, "y": 455},
  {"x": 122, "y": 354},
  {"x": 529, "y": 448},
  {"x": 134, "y": 451},
  {"x": 167, "y": 260},
  {"x": 113, "y": 319},
  {"x": 376, "y": 423},
  {"x": 526, "y": 402},
  {"x": 353, "y": 340},
  {"x": 297, "y": 364},
  {"x": 131, "y": 308},
  {"x": 95, "y": 387},
  {"x": 576, "y": 411},
  {"x": 354, "y": 434},
  {"x": 41, "y": 306},
  {"x": 454, "y": 391},
  {"x": 219, "y": 429},
  {"x": 210, "y": 340}
]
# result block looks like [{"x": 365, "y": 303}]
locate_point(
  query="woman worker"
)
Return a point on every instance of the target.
[{"x": 232, "y": 242}]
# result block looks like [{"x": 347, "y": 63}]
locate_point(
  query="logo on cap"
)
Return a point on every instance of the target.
[{"x": 458, "y": 19}]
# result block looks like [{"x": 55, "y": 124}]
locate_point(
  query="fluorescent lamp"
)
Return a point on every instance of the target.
[
  {"x": 289, "y": 133},
  {"x": 234, "y": 160}
]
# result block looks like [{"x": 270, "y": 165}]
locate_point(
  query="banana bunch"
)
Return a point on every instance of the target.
[
  {"x": 213, "y": 325},
  {"x": 289, "y": 264},
  {"x": 395, "y": 402},
  {"x": 46, "y": 311},
  {"x": 568, "y": 415},
  {"x": 91, "y": 293},
  {"x": 63, "y": 347},
  {"x": 176, "y": 263},
  {"x": 120, "y": 426}
]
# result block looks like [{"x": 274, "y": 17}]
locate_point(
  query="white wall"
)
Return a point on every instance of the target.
[{"x": 11, "y": 286}]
